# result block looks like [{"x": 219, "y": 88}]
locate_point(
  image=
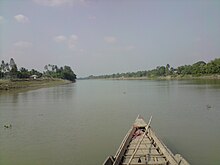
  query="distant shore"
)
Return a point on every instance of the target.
[
  {"x": 179, "y": 77},
  {"x": 30, "y": 84}
]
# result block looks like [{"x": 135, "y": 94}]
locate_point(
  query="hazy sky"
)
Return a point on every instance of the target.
[{"x": 109, "y": 36}]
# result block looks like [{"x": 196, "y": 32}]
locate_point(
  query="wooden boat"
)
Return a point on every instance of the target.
[{"x": 141, "y": 146}]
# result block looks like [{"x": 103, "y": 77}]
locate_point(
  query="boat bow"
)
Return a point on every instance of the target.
[{"x": 141, "y": 146}]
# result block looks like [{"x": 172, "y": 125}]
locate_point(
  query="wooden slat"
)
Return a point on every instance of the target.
[
  {"x": 144, "y": 149},
  {"x": 140, "y": 140},
  {"x": 166, "y": 152},
  {"x": 143, "y": 152}
]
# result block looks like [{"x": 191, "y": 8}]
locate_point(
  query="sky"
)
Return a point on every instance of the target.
[{"x": 98, "y": 37}]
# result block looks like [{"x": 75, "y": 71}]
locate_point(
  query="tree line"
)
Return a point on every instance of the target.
[
  {"x": 199, "y": 68},
  {"x": 10, "y": 71},
  {"x": 63, "y": 72}
]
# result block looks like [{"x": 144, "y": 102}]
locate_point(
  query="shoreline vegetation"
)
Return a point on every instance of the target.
[
  {"x": 186, "y": 77},
  {"x": 12, "y": 78},
  {"x": 31, "y": 84},
  {"x": 198, "y": 70}
]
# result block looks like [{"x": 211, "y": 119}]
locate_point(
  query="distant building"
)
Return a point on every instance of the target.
[{"x": 33, "y": 76}]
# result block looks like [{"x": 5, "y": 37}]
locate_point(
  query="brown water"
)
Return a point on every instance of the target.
[{"x": 82, "y": 123}]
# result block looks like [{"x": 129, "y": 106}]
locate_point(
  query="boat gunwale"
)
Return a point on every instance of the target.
[{"x": 171, "y": 158}]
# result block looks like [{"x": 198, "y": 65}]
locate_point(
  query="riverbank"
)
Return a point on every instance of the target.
[
  {"x": 31, "y": 84},
  {"x": 178, "y": 77}
]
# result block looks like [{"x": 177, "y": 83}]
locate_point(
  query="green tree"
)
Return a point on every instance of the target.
[
  {"x": 214, "y": 66},
  {"x": 14, "y": 71},
  {"x": 35, "y": 72},
  {"x": 172, "y": 71},
  {"x": 63, "y": 72},
  {"x": 162, "y": 71},
  {"x": 198, "y": 68},
  {"x": 12, "y": 63},
  {"x": 13, "y": 68},
  {"x": 2, "y": 69},
  {"x": 167, "y": 69},
  {"x": 23, "y": 73},
  {"x": 69, "y": 74}
]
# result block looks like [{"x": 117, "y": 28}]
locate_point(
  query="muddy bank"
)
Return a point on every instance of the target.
[{"x": 35, "y": 84}]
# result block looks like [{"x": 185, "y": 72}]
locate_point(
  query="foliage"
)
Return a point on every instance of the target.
[
  {"x": 197, "y": 69},
  {"x": 63, "y": 72},
  {"x": 23, "y": 73},
  {"x": 10, "y": 70}
]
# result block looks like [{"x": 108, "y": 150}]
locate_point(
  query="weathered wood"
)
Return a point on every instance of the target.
[
  {"x": 140, "y": 140},
  {"x": 167, "y": 153},
  {"x": 109, "y": 161},
  {"x": 123, "y": 147},
  {"x": 141, "y": 146}
]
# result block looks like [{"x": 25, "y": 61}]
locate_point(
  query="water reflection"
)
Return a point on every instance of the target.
[
  {"x": 211, "y": 83},
  {"x": 63, "y": 92}
]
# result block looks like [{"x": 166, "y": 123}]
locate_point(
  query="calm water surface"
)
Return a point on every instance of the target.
[{"x": 82, "y": 123}]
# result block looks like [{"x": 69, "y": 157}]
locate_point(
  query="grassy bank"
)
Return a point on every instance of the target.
[
  {"x": 35, "y": 84},
  {"x": 177, "y": 77},
  {"x": 189, "y": 77}
]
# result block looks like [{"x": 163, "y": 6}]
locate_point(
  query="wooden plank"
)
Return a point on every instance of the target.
[
  {"x": 166, "y": 152},
  {"x": 144, "y": 159},
  {"x": 108, "y": 161},
  {"x": 123, "y": 146},
  {"x": 143, "y": 152},
  {"x": 144, "y": 149},
  {"x": 146, "y": 130},
  {"x": 142, "y": 146}
]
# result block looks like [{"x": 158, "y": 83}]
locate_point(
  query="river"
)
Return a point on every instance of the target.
[{"x": 84, "y": 122}]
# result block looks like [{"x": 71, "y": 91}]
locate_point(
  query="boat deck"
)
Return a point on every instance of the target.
[
  {"x": 147, "y": 151},
  {"x": 141, "y": 146}
]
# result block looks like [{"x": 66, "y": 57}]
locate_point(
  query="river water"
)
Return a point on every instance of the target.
[{"x": 84, "y": 122}]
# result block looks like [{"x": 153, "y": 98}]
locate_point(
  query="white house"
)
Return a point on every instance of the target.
[{"x": 33, "y": 76}]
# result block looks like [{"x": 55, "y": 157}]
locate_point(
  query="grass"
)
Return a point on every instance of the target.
[
  {"x": 170, "y": 77},
  {"x": 28, "y": 83}
]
